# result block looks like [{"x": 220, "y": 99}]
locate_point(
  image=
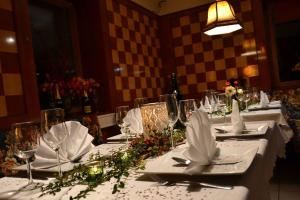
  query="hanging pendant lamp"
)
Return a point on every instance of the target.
[{"x": 221, "y": 19}]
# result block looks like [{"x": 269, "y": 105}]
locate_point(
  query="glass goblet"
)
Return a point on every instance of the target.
[
  {"x": 25, "y": 139},
  {"x": 172, "y": 109},
  {"x": 138, "y": 102},
  {"x": 222, "y": 104},
  {"x": 54, "y": 138},
  {"x": 247, "y": 98},
  {"x": 121, "y": 113},
  {"x": 186, "y": 107}
]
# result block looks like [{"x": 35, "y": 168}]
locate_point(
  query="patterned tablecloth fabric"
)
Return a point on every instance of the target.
[{"x": 254, "y": 184}]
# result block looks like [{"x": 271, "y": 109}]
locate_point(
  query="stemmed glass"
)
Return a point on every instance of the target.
[
  {"x": 25, "y": 139},
  {"x": 186, "y": 107},
  {"x": 121, "y": 113},
  {"x": 247, "y": 98},
  {"x": 222, "y": 104},
  {"x": 172, "y": 109},
  {"x": 56, "y": 137},
  {"x": 138, "y": 102}
]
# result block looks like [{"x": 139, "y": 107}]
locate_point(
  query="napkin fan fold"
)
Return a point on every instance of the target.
[{"x": 77, "y": 143}]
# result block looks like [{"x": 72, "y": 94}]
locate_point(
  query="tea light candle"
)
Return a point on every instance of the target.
[{"x": 95, "y": 168}]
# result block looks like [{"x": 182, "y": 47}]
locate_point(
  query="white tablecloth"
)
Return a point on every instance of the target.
[
  {"x": 253, "y": 185},
  {"x": 261, "y": 115}
]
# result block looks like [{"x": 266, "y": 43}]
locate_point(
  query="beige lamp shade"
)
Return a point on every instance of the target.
[{"x": 221, "y": 19}]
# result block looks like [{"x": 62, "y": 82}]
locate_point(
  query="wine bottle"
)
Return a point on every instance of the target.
[
  {"x": 58, "y": 101},
  {"x": 86, "y": 103},
  {"x": 174, "y": 87},
  {"x": 175, "y": 90}
]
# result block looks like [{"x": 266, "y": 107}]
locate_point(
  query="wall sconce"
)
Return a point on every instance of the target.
[{"x": 221, "y": 19}]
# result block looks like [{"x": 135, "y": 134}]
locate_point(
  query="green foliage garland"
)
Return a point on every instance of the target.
[{"x": 117, "y": 165}]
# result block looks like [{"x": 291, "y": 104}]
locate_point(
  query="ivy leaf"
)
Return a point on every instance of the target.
[{"x": 121, "y": 184}]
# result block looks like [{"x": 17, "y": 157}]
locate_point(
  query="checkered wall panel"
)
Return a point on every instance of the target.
[
  {"x": 11, "y": 91},
  {"x": 135, "y": 50},
  {"x": 204, "y": 62}
]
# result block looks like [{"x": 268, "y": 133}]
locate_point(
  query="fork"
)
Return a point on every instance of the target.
[{"x": 173, "y": 183}]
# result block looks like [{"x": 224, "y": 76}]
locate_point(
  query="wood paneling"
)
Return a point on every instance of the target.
[
  {"x": 6, "y": 20},
  {"x": 6, "y": 5},
  {"x": 18, "y": 80},
  {"x": 8, "y": 43}
]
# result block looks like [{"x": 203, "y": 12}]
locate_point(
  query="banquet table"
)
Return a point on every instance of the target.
[
  {"x": 252, "y": 185},
  {"x": 261, "y": 115}
]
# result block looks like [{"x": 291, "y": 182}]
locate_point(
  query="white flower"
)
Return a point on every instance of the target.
[{"x": 240, "y": 91}]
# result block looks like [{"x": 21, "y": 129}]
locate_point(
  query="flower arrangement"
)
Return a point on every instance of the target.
[
  {"x": 66, "y": 93},
  {"x": 233, "y": 89},
  {"x": 77, "y": 85}
]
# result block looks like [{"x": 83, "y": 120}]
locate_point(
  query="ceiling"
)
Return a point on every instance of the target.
[{"x": 170, "y": 6}]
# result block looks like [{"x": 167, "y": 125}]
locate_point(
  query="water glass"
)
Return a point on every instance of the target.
[
  {"x": 172, "y": 109},
  {"x": 121, "y": 112},
  {"x": 25, "y": 139},
  {"x": 247, "y": 98},
  {"x": 186, "y": 107},
  {"x": 222, "y": 104},
  {"x": 54, "y": 138}
]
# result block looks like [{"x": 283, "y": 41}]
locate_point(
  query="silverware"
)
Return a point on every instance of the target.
[
  {"x": 221, "y": 130},
  {"x": 173, "y": 183},
  {"x": 213, "y": 162},
  {"x": 182, "y": 161},
  {"x": 244, "y": 131}
]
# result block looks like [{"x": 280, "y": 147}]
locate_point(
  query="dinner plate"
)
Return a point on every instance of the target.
[
  {"x": 246, "y": 150},
  {"x": 252, "y": 129},
  {"x": 271, "y": 105}
]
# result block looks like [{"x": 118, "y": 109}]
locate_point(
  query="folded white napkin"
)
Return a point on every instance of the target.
[
  {"x": 202, "y": 107},
  {"x": 237, "y": 122},
  {"x": 77, "y": 143},
  {"x": 213, "y": 104},
  {"x": 201, "y": 143},
  {"x": 264, "y": 100},
  {"x": 206, "y": 103},
  {"x": 134, "y": 120}
]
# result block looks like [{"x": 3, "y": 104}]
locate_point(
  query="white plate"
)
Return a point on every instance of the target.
[
  {"x": 166, "y": 165},
  {"x": 271, "y": 105},
  {"x": 252, "y": 129},
  {"x": 103, "y": 149}
]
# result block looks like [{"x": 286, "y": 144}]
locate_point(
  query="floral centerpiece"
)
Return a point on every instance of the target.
[
  {"x": 233, "y": 91},
  {"x": 69, "y": 92}
]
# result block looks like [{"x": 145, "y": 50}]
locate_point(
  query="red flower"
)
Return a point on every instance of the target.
[
  {"x": 227, "y": 83},
  {"x": 236, "y": 83}
]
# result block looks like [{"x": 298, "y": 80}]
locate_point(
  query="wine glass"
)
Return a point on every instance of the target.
[
  {"x": 54, "y": 138},
  {"x": 121, "y": 113},
  {"x": 138, "y": 102},
  {"x": 186, "y": 107},
  {"x": 172, "y": 109},
  {"x": 255, "y": 95},
  {"x": 25, "y": 139},
  {"x": 247, "y": 98},
  {"x": 222, "y": 104}
]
